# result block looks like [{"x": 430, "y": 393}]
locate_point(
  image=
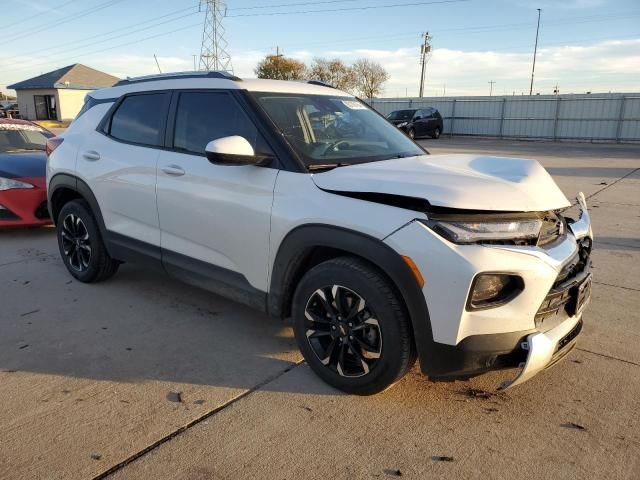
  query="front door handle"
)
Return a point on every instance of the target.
[
  {"x": 174, "y": 170},
  {"x": 91, "y": 155}
]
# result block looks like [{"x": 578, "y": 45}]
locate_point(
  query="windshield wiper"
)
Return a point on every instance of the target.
[{"x": 326, "y": 166}]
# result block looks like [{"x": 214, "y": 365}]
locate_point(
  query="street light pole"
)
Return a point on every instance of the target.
[{"x": 535, "y": 51}]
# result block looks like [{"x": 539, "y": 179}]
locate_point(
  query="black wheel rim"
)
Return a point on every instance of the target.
[
  {"x": 75, "y": 242},
  {"x": 343, "y": 331}
]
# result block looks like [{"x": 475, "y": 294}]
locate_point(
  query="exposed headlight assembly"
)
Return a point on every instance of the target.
[
  {"x": 462, "y": 231},
  {"x": 10, "y": 184},
  {"x": 403, "y": 124}
]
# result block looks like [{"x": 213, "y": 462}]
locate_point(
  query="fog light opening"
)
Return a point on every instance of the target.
[{"x": 490, "y": 290}]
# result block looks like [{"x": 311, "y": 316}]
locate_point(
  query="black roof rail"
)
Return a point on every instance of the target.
[
  {"x": 179, "y": 75},
  {"x": 320, "y": 83}
]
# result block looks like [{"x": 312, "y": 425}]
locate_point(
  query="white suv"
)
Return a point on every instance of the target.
[{"x": 301, "y": 201}]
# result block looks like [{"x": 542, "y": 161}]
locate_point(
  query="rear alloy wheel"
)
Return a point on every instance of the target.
[
  {"x": 351, "y": 326},
  {"x": 75, "y": 243},
  {"x": 81, "y": 246}
]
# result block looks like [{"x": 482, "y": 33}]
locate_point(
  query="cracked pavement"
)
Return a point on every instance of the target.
[{"x": 144, "y": 377}]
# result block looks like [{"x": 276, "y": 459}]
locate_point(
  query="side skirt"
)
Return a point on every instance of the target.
[{"x": 218, "y": 280}]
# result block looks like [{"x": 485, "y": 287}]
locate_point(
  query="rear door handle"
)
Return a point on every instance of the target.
[
  {"x": 174, "y": 170},
  {"x": 91, "y": 155}
]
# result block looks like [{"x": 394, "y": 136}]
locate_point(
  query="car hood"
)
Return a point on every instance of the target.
[
  {"x": 470, "y": 182},
  {"x": 23, "y": 165}
]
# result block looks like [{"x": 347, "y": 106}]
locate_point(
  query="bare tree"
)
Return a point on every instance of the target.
[
  {"x": 370, "y": 77},
  {"x": 334, "y": 72},
  {"x": 278, "y": 67}
]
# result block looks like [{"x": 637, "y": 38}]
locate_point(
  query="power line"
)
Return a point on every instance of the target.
[
  {"x": 348, "y": 9},
  {"x": 28, "y": 19},
  {"x": 57, "y": 23},
  {"x": 84, "y": 39},
  {"x": 65, "y": 52},
  {"x": 256, "y": 7}
]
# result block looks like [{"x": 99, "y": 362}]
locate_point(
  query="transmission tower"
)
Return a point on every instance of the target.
[{"x": 213, "y": 53}]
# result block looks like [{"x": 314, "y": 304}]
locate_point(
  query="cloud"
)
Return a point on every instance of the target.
[{"x": 601, "y": 67}]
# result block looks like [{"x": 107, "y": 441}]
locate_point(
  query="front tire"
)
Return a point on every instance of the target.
[
  {"x": 81, "y": 246},
  {"x": 351, "y": 326},
  {"x": 436, "y": 133},
  {"x": 411, "y": 133}
]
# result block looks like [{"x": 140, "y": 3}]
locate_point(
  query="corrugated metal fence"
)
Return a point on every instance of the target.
[{"x": 613, "y": 116}]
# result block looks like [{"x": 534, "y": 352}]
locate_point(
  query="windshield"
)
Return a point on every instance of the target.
[
  {"x": 328, "y": 131},
  {"x": 401, "y": 115},
  {"x": 16, "y": 138}
]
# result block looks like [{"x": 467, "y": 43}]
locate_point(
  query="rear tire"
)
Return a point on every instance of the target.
[
  {"x": 351, "y": 326},
  {"x": 81, "y": 246}
]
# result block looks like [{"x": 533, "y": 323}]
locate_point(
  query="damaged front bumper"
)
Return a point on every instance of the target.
[{"x": 545, "y": 349}]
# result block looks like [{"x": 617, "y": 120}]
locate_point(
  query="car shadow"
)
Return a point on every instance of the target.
[{"x": 139, "y": 326}]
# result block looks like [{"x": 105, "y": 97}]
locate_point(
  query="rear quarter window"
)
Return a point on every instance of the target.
[{"x": 140, "y": 119}]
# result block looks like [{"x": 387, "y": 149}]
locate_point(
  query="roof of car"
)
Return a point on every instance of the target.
[
  {"x": 24, "y": 123},
  {"x": 198, "y": 79}
]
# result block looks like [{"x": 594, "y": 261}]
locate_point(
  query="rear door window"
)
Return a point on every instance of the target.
[{"x": 140, "y": 119}]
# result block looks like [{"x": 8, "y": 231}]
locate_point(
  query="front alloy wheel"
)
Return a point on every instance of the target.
[
  {"x": 351, "y": 326},
  {"x": 75, "y": 242},
  {"x": 343, "y": 331}
]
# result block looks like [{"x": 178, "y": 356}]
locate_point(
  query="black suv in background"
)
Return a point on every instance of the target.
[{"x": 418, "y": 122}]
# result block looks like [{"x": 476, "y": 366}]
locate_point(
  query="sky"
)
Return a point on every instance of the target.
[{"x": 584, "y": 45}]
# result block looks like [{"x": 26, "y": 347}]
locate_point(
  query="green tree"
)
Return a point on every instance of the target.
[{"x": 278, "y": 67}]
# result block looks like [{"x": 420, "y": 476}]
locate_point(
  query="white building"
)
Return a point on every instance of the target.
[{"x": 59, "y": 95}]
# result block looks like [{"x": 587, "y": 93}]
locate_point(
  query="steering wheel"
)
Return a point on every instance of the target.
[{"x": 333, "y": 146}]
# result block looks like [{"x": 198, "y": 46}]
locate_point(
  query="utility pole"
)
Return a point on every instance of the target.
[
  {"x": 535, "y": 51},
  {"x": 157, "y": 64},
  {"x": 213, "y": 52},
  {"x": 491, "y": 82},
  {"x": 425, "y": 49},
  {"x": 194, "y": 62},
  {"x": 556, "y": 90},
  {"x": 277, "y": 61}
]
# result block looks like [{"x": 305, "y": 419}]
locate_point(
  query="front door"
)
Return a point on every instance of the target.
[
  {"x": 45, "y": 107},
  {"x": 214, "y": 219}
]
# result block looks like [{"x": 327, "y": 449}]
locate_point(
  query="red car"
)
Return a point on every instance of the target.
[{"x": 23, "y": 165}]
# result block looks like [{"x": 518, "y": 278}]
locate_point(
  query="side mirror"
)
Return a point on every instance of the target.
[
  {"x": 234, "y": 150},
  {"x": 417, "y": 117}
]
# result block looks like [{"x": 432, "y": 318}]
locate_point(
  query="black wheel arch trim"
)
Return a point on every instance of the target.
[
  {"x": 299, "y": 244},
  {"x": 71, "y": 182}
]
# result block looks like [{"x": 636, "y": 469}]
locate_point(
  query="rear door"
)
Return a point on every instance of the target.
[
  {"x": 214, "y": 219},
  {"x": 119, "y": 160}
]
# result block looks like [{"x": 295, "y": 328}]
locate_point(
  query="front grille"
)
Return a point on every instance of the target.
[
  {"x": 562, "y": 299},
  {"x": 42, "y": 212}
]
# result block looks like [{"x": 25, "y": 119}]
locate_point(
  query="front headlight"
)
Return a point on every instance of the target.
[
  {"x": 490, "y": 230},
  {"x": 403, "y": 124},
  {"x": 10, "y": 184}
]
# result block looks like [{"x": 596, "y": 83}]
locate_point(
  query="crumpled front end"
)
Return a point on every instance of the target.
[{"x": 531, "y": 328}]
